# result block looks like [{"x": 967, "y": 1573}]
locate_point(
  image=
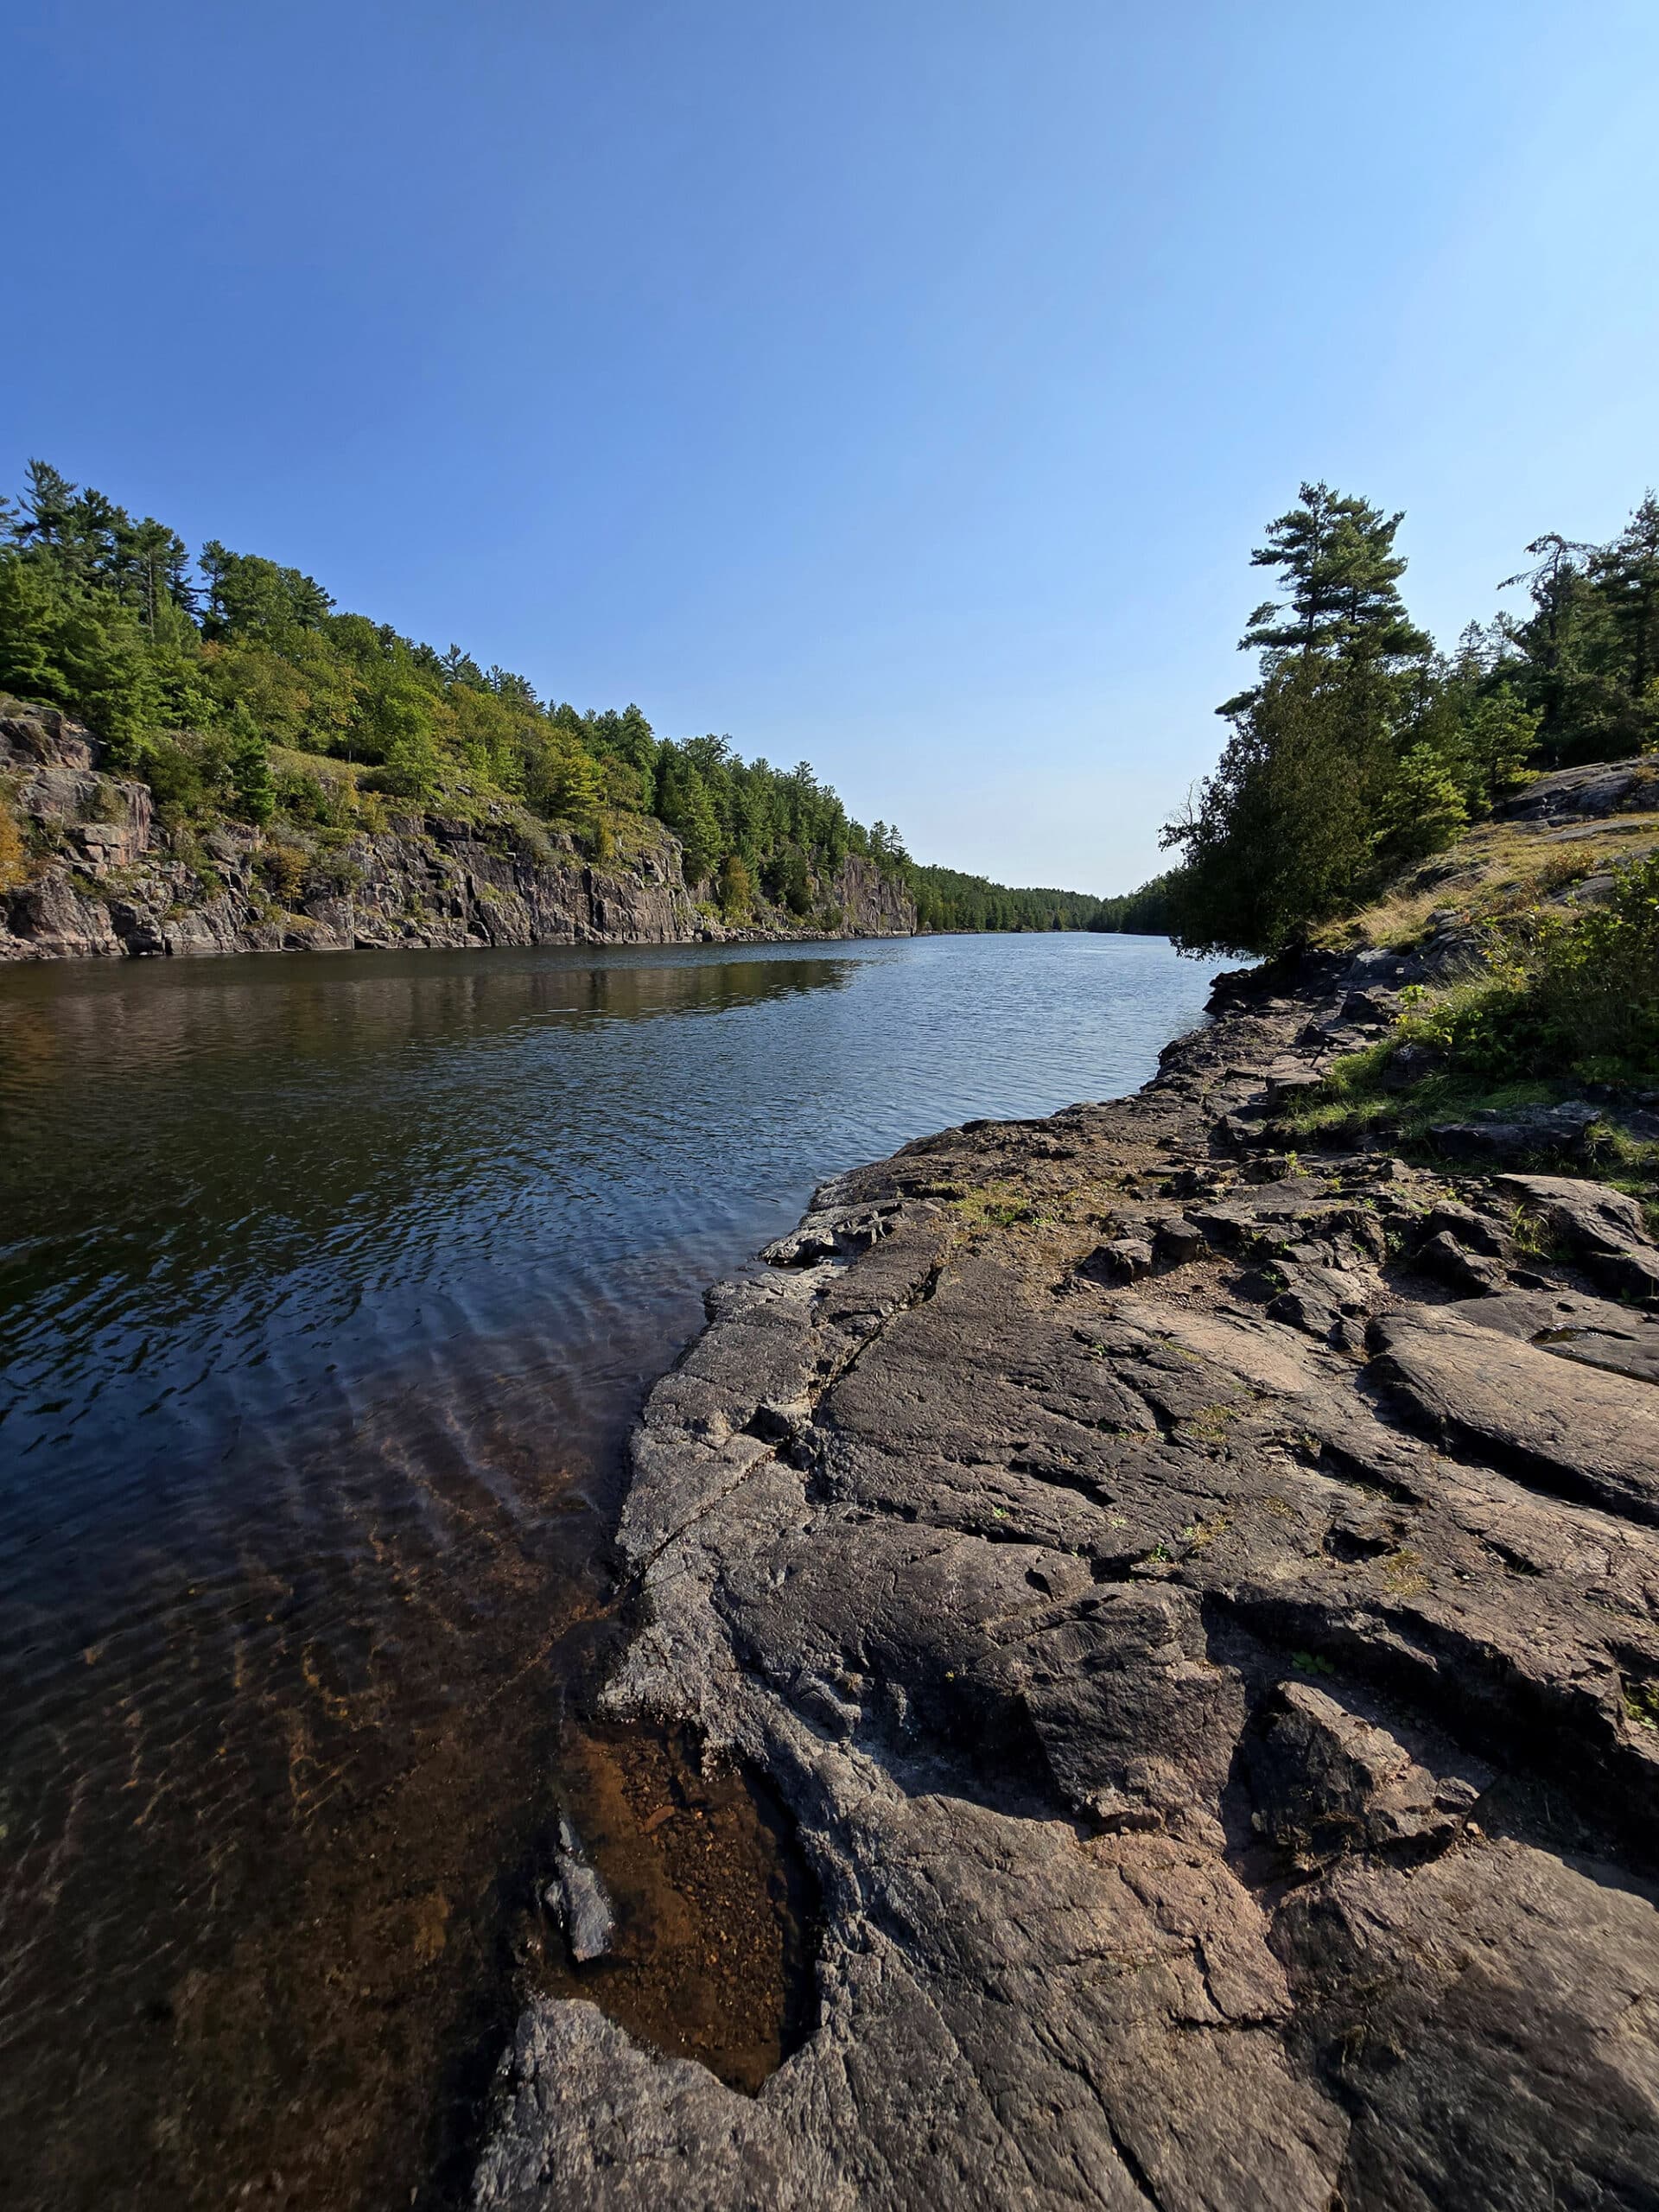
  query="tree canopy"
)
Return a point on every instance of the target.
[{"x": 1360, "y": 747}]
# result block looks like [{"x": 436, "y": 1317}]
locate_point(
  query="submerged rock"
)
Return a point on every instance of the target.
[{"x": 576, "y": 1897}]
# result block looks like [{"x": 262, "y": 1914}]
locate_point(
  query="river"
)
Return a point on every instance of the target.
[{"x": 328, "y": 1288}]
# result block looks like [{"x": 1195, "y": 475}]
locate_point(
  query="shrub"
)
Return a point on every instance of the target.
[
  {"x": 1597, "y": 981},
  {"x": 1582, "y": 998},
  {"x": 188, "y": 776},
  {"x": 736, "y": 888},
  {"x": 283, "y": 868},
  {"x": 14, "y": 853}
]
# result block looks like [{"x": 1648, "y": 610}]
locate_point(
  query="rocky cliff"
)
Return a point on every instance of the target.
[
  {"x": 101, "y": 875},
  {"x": 1201, "y": 1608}
]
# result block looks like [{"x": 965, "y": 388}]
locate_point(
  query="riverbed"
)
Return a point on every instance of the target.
[{"x": 327, "y": 1289}]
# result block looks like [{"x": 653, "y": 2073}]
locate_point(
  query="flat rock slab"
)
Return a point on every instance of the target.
[
  {"x": 1580, "y": 1431},
  {"x": 1592, "y": 1330}
]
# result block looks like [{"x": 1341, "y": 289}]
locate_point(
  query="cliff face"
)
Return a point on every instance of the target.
[{"x": 105, "y": 877}]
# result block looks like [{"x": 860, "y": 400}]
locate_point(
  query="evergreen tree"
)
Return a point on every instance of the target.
[
  {"x": 1422, "y": 811},
  {"x": 736, "y": 889},
  {"x": 249, "y": 765},
  {"x": 1557, "y": 644},
  {"x": 1626, "y": 574},
  {"x": 1286, "y": 829},
  {"x": 1335, "y": 553},
  {"x": 685, "y": 805}
]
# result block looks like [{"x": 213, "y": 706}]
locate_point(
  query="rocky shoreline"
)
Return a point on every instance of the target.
[
  {"x": 1198, "y": 1606},
  {"x": 106, "y": 879}
]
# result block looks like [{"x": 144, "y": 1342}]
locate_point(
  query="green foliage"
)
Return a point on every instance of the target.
[
  {"x": 1586, "y": 658},
  {"x": 249, "y": 596},
  {"x": 188, "y": 775},
  {"x": 1360, "y": 750},
  {"x": 736, "y": 889},
  {"x": 947, "y": 899},
  {"x": 252, "y": 785},
  {"x": 788, "y": 881},
  {"x": 191, "y": 683},
  {"x": 683, "y": 803},
  {"x": 283, "y": 868},
  {"x": 409, "y": 764},
  {"x": 1499, "y": 736},
  {"x": 14, "y": 853},
  {"x": 1591, "y": 999},
  {"x": 1287, "y": 828},
  {"x": 1145, "y": 913},
  {"x": 1422, "y": 811},
  {"x": 1581, "y": 998},
  {"x": 1577, "y": 999},
  {"x": 1336, "y": 552}
]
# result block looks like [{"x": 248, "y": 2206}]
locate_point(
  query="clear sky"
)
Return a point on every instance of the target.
[{"x": 899, "y": 384}]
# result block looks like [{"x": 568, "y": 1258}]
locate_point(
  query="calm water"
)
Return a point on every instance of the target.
[{"x": 328, "y": 1286}]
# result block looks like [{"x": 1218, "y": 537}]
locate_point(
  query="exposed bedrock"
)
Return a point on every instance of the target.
[
  {"x": 1202, "y": 1617},
  {"x": 105, "y": 879}
]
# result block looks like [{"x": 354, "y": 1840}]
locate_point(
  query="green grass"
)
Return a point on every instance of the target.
[
  {"x": 1353, "y": 1102},
  {"x": 1354, "y": 1099}
]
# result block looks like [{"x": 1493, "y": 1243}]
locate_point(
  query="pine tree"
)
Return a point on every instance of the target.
[
  {"x": 1285, "y": 830},
  {"x": 685, "y": 805},
  {"x": 1557, "y": 641},
  {"x": 249, "y": 763},
  {"x": 1336, "y": 555},
  {"x": 48, "y": 509},
  {"x": 1626, "y": 573}
]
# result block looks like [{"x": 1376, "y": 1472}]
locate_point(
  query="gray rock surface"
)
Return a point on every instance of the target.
[
  {"x": 1589, "y": 793},
  {"x": 106, "y": 880},
  {"x": 1216, "y": 1684},
  {"x": 576, "y": 1897}
]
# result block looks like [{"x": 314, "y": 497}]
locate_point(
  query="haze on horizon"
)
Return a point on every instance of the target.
[{"x": 900, "y": 389}]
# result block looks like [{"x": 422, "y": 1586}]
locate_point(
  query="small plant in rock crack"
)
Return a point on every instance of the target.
[
  {"x": 1198, "y": 1534},
  {"x": 1532, "y": 1235},
  {"x": 1211, "y": 1423},
  {"x": 1402, "y": 1570},
  {"x": 1309, "y": 1662}
]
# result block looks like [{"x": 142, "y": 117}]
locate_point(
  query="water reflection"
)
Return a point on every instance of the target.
[{"x": 327, "y": 1288}]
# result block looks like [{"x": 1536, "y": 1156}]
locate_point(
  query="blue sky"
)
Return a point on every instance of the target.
[{"x": 899, "y": 384}]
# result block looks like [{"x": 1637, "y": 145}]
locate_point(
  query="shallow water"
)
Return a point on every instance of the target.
[{"x": 328, "y": 1286}]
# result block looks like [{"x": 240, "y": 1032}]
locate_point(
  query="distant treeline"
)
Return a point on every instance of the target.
[
  {"x": 947, "y": 900},
  {"x": 215, "y": 679},
  {"x": 1361, "y": 748}
]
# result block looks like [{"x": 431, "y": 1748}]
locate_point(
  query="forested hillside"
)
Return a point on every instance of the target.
[
  {"x": 233, "y": 688},
  {"x": 1361, "y": 748}
]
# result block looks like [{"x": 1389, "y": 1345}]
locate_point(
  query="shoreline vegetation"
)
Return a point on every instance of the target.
[
  {"x": 1370, "y": 790},
  {"x": 232, "y": 696}
]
